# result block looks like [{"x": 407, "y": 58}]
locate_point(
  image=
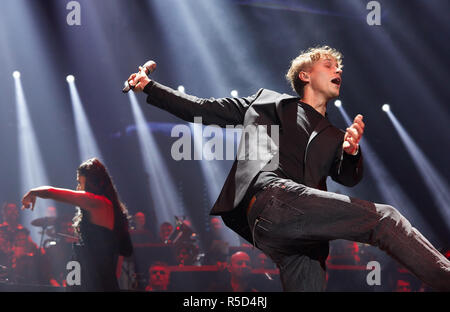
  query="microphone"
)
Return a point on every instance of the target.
[{"x": 149, "y": 68}]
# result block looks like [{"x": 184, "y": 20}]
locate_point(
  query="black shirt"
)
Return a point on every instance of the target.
[
  {"x": 98, "y": 253},
  {"x": 299, "y": 121}
]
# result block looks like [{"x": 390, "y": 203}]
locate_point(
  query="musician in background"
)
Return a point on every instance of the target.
[
  {"x": 141, "y": 234},
  {"x": 165, "y": 230},
  {"x": 217, "y": 249},
  {"x": 131, "y": 276},
  {"x": 159, "y": 277},
  {"x": 237, "y": 277},
  {"x": 18, "y": 250},
  {"x": 10, "y": 214}
]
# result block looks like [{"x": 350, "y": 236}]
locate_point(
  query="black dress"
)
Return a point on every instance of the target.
[{"x": 97, "y": 252}]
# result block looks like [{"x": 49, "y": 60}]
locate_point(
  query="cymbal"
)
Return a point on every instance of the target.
[{"x": 44, "y": 222}]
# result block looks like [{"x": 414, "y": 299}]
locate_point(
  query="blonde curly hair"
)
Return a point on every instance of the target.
[{"x": 304, "y": 62}]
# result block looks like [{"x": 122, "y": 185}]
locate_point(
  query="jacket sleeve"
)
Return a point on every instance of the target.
[
  {"x": 347, "y": 169},
  {"x": 221, "y": 112}
]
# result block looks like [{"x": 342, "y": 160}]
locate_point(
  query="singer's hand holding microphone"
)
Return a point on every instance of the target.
[{"x": 138, "y": 81}]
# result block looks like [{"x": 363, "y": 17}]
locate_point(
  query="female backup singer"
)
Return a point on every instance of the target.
[{"x": 101, "y": 223}]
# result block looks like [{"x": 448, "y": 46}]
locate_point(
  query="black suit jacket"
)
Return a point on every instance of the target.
[{"x": 324, "y": 155}]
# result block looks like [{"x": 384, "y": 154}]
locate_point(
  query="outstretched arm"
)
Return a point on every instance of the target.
[
  {"x": 84, "y": 200},
  {"x": 221, "y": 112}
]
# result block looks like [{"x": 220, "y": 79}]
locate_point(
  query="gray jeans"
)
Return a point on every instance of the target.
[{"x": 293, "y": 225}]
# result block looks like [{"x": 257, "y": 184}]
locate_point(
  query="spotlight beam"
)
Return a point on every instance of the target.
[
  {"x": 87, "y": 144},
  {"x": 182, "y": 13},
  {"x": 32, "y": 169},
  {"x": 162, "y": 187},
  {"x": 213, "y": 176},
  {"x": 438, "y": 187}
]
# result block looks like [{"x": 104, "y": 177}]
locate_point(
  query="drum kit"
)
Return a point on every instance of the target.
[{"x": 58, "y": 229}]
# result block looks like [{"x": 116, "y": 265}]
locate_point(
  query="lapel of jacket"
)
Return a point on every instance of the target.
[
  {"x": 322, "y": 125},
  {"x": 279, "y": 107}
]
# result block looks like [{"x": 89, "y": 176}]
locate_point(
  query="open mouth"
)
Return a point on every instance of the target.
[{"x": 336, "y": 81}]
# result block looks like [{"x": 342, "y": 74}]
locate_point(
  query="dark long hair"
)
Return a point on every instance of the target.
[{"x": 98, "y": 181}]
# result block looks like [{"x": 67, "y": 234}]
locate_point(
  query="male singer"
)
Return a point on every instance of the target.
[{"x": 285, "y": 209}]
